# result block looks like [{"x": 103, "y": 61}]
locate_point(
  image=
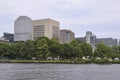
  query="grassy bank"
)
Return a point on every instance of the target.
[{"x": 62, "y": 61}]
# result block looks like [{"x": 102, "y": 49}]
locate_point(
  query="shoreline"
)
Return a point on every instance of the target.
[{"x": 60, "y": 62}]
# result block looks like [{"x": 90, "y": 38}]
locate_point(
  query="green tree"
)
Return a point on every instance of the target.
[
  {"x": 68, "y": 51},
  {"x": 4, "y": 49},
  {"x": 17, "y": 50},
  {"x": 72, "y": 50},
  {"x": 12, "y": 51},
  {"x": 116, "y": 49},
  {"x": 102, "y": 51},
  {"x": 55, "y": 48},
  {"x": 41, "y": 46},
  {"x": 115, "y": 52},
  {"x": 77, "y": 48},
  {"x": 28, "y": 50},
  {"x": 86, "y": 49}
]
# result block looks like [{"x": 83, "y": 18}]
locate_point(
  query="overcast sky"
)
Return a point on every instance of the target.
[{"x": 102, "y": 17}]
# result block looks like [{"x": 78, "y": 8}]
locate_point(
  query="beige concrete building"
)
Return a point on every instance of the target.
[
  {"x": 27, "y": 29},
  {"x": 45, "y": 27},
  {"x": 66, "y": 36}
]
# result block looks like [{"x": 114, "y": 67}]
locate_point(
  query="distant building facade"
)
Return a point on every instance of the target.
[
  {"x": 81, "y": 39},
  {"x": 46, "y": 27},
  {"x": 93, "y": 40},
  {"x": 27, "y": 29},
  {"x": 90, "y": 38},
  {"x": 107, "y": 41},
  {"x": 66, "y": 36},
  {"x": 8, "y": 36}
]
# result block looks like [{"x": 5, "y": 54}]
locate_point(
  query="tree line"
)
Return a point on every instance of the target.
[{"x": 44, "y": 48}]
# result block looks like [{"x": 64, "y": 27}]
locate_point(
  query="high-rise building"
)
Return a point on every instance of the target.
[
  {"x": 23, "y": 29},
  {"x": 66, "y": 36},
  {"x": 45, "y": 27},
  {"x": 27, "y": 29}
]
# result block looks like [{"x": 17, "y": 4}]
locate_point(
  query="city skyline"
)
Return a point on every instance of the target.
[{"x": 100, "y": 17}]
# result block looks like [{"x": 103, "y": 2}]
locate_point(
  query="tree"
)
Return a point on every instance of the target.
[
  {"x": 77, "y": 48},
  {"x": 86, "y": 49},
  {"x": 55, "y": 48},
  {"x": 4, "y": 49},
  {"x": 72, "y": 50},
  {"x": 102, "y": 50},
  {"x": 28, "y": 50},
  {"x": 116, "y": 49},
  {"x": 17, "y": 50},
  {"x": 13, "y": 51},
  {"x": 41, "y": 46},
  {"x": 68, "y": 51},
  {"x": 115, "y": 52}
]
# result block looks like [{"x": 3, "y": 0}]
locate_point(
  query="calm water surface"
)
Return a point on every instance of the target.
[{"x": 14, "y": 71}]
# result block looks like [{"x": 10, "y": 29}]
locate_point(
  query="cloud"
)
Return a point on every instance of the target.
[{"x": 72, "y": 14}]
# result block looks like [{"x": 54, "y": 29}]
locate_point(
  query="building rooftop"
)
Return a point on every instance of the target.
[{"x": 46, "y": 19}]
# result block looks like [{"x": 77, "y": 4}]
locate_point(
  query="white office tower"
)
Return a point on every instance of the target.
[{"x": 23, "y": 29}]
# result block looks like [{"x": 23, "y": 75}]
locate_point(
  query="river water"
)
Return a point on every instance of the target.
[{"x": 37, "y": 71}]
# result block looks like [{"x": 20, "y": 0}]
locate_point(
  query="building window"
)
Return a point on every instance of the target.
[{"x": 39, "y": 31}]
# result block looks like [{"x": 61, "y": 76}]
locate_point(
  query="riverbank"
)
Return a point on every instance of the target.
[{"x": 62, "y": 61}]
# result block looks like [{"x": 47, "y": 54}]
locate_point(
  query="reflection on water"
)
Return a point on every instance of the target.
[{"x": 12, "y": 71}]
